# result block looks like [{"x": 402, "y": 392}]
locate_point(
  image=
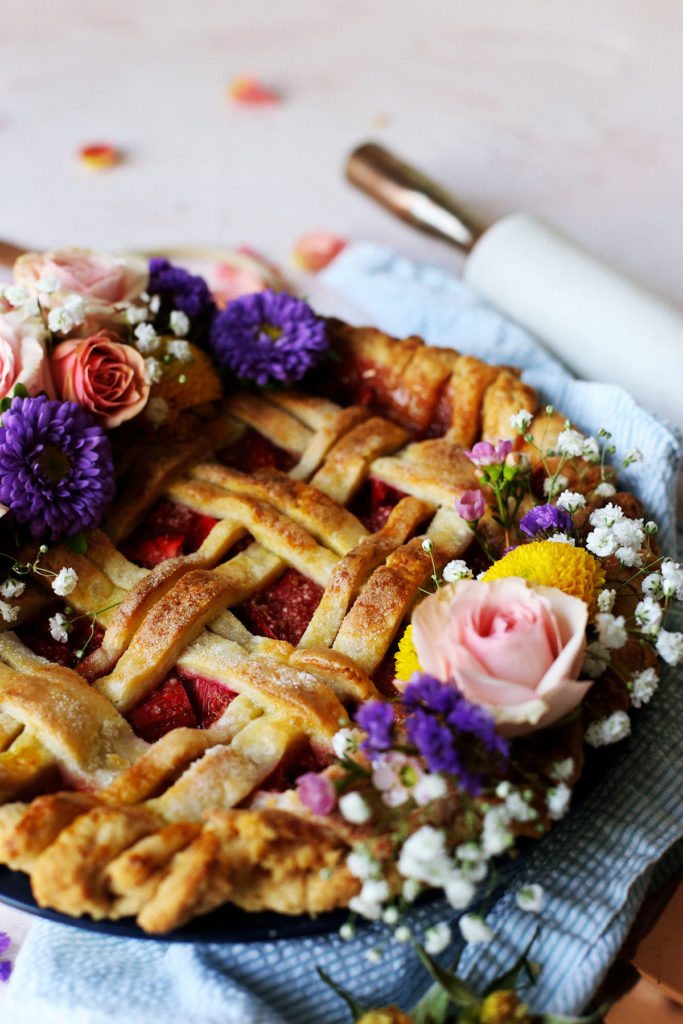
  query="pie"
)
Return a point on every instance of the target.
[{"x": 251, "y": 580}]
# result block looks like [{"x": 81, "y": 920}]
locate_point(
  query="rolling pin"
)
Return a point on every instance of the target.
[{"x": 599, "y": 323}]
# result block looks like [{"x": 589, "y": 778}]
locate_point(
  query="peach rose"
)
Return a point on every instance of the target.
[
  {"x": 515, "y": 648},
  {"x": 101, "y": 278},
  {"x": 22, "y": 355},
  {"x": 103, "y": 375}
]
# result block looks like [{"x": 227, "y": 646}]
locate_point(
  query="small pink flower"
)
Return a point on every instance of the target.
[
  {"x": 316, "y": 792},
  {"x": 316, "y": 249},
  {"x": 23, "y": 358},
  {"x": 394, "y": 776},
  {"x": 484, "y": 454},
  {"x": 103, "y": 375},
  {"x": 471, "y": 505},
  {"x": 514, "y": 648},
  {"x": 102, "y": 278}
]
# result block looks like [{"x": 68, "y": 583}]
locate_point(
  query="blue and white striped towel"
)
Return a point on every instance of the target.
[{"x": 595, "y": 865}]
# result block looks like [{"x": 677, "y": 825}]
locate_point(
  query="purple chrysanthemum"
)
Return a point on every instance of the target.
[
  {"x": 545, "y": 518},
  {"x": 376, "y": 718},
  {"x": 451, "y": 734},
  {"x": 56, "y": 469},
  {"x": 268, "y": 336},
  {"x": 186, "y": 292}
]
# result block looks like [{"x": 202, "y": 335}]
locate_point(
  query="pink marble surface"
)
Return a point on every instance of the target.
[{"x": 570, "y": 109}]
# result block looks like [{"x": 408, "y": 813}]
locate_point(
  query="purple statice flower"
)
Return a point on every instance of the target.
[
  {"x": 471, "y": 505},
  {"x": 5, "y": 969},
  {"x": 316, "y": 792},
  {"x": 485, "y": 454},
  {"x": 268, "y": 336},
  {"x": 184, "y": 291},
  {"x": 376, "y": 718},
  {"x": 56, "y": 469},
  {"x": 5, "y": 942},
  {"x": 452, "y": 735},
  {"x": 545, "y": 519}
]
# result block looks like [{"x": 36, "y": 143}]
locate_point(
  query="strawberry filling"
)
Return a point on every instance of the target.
[
  {"x": 183, "y": 699},
  {"x": 300, "y": 759},
  {"x": 168, "y": 531},
  {"x": 374, "y": 502},
  {"x": 253, "y": 451},
  {"x": 283, "y": 610}
]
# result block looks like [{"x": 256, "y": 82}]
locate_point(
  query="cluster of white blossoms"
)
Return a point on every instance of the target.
[
  {"x": 62, "y": 582},
  {"x": 614, "y": 533}
]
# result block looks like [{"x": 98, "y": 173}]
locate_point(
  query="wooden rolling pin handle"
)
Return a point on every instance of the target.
[{"x": 410, "y": 195}]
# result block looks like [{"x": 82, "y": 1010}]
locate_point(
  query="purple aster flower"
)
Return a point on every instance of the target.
[
  {"x": 376, "y": 718},
  {"x": 451, "y": 734},
  {"x": 268, "y": 336},
  {"x": 485, "y": 454},
  {"x": 471, "y": 505},
  {"x": 545, "y": 518},
  {"x": 316, "y": 792},
  {"x": 5, "y": 970},
  {"x": 56, "y": 469},
  {"x": 184, "y": 291}
]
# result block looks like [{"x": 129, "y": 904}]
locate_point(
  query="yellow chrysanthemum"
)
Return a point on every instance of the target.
[
  {"x": 405, "y": 662},
  {"x": 388, "y": 1015},
  {"x": 503, "y": 1007},
  {"x": 572, "y": 570}
]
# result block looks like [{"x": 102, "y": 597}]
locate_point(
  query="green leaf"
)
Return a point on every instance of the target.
[
  {"x": 5, "y": 403},
  {"x": 20, "y": 391},
  {"x": 460, "y": 993},
  {"x": 355, "y": 1008},
  {"x": 78, "y": 544},
  {"x": 508, "y": 980},
  {"x": 434, "y": 1007}
]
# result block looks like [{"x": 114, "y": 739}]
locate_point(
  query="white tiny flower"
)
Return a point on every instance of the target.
[
  {"x": 633, "y": 455},
  {"x": 520, "y": 421},
  {"x": 156, "y": 411},
  {"x": 643, "y": 686},
  {"x": 503, "y": 789},
  {"x": 672, "y": 579},
  {"x": 390, "y": 916},
  {"x": 347, "y": 931},
  {"x": 16, "y": 294},
  {"x": 459, "y": 890},
  {"x": 423, "y": 856},
  {"x": 75, "y": 305},
  {"x": 154, "y": 371},
  {"x": 148, "y": 341},
  {"x": 374, "y": 955},
  {"x": 605, "y": 490},
  {"x": 428, "y": 545},
  {"x": 344, "y": 742},
  {"x": 606, "y": 600},
  {"x": 496, "y": 836},
  {"x": 563, "y": 538},
  {"x": 649, "y": 615},
  {"x": 474, "y": 928},
  {"x": 375, "y": 890},
  {"x": 154, "y": 304},
  {"x": 354, "y": 808},
  {"x": 606, "y": 516},
  {"x": 595, "y": 661},
  {"x": 136, "y": 315},
  {"x": 9, "y": 612},
  {"x": 179, "y": 323},
  {"x": 58, "y": 628},
  {"x": 403, "y": 933},
  {"x": 470, "y": 851},
  {"x": 362, "y": 865},
  {"x": 475, "y": 872},
  {"x": 60, "y": 320},
  {"x": 411, "y": 889},
  {"x": 48, "y": 284},
  {"x": 611, "y": 630},
  {"x": 437, "y": 938},
  {"x": 558, "y": 799},
  {"x": 591, "y": 450},
  {"x": 628, "y": 556},
  {"x": 571, "y": 443},
  {"x": 530, "y": 898},
  {"x": 518, "y": 808},
  {"x": 371, "y": 911},
  {"x": 571, "y": 501},
  {"x": 670, "y": 646},
  {"x": 458, "y": 569},
  {"x": 615, "y": 727},
  {"x": 12, "y": 588},
  {"x": 64, "y": 582},
  {"x": 180, "y": 350},
  {"x": 428, "y": 788},
  {"x": 652, "y": 584},
  {"x": 563, "y": 770},
  {"x": 553, "y": 486},
  {"x": 601, "y": 542}
]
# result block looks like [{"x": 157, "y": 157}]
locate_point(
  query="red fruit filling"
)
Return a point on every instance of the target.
[
  {"x": 37, "y": 637},
  {"x": 169, "y": 530},
  {"x": 183, "y": 699},
  {"x": 254, "y": 451},
  {"x": 374, "y": 502},
  {"x": 283, "y": 610},
  {"x": 300, "y": 759},
  {"x": 208, "y": 698}
]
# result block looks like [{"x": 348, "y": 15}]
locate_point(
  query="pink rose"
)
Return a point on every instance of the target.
[
  {"x": 513, "y": 647},
  {"x": 103, "y": 375},
  {"x": 22, "y": 355},
  {"x": 102, "y": 278}
]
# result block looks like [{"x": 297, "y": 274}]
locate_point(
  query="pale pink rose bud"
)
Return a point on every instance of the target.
[
  {"x": 471, "y": 505},
  {"x": 23, "y": 359},
  {"x": 316, "y": 792}
]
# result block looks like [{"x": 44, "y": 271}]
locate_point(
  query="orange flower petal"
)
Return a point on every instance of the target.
[
  {"x": 99, "y": 156},
  {"x": 249, "y": 90},
  {"x": 316, "y": 249}
]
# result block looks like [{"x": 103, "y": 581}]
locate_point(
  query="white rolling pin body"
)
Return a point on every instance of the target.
[{"x": 603, "y": 326}]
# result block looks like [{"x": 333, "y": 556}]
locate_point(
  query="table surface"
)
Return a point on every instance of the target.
[{"x": 571, "y": 110}]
